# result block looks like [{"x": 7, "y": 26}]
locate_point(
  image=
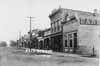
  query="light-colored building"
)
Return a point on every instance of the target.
[{"x": 81, "y": 32}]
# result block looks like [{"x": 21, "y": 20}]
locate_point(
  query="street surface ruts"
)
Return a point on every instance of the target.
[{"x": 9, "y": 58}]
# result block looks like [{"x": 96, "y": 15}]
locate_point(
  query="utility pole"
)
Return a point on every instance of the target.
[{"x": 30, "y": 31}]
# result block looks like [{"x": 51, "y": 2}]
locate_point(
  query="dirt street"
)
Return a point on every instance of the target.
[{"x": 7, "y": 58}]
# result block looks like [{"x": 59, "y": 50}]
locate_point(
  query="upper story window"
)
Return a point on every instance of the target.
[
  {"x": 70, "y": 36},
  {"x": 54, "y": 27},
  {"x": 58, "y": 26},
  {"x": 51, "y": 27},
  {"x": 88, "y": 22}
]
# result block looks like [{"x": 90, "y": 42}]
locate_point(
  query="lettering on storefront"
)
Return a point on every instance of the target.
[{"x": 88, "y": 22}]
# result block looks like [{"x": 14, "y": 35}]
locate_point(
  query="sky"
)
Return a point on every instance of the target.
[{"x": 14, "y": 13}]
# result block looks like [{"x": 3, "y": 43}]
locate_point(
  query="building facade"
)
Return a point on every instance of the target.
[
  {"x": 47, "y": 44},
  {"x": 40, "y": 39},
  {"x": 81, "y": 31},
  {"x": 56, "y": 18}
]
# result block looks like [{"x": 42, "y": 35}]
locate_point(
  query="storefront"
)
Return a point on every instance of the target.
[
  {"x": 57, "y": 42},
  {"x": 47, "y": 40},
  {"x": 70, "y": 36}
]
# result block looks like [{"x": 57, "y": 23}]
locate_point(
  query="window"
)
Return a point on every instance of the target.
[
  {"x": 58, "y": 26},
  {"x": 75, "y": 40},
  {"x": 85, "y": 21},
  {"x": 70, "y": 36},
  {"x": 51, "y": 27},
  {"x": 55, "y": 29},
  {"x": 75, "y": 34},
  {"x": 70, "y": 42},
  {"x": 65, "y": 43},
  {"x": 54, "y": 26}
]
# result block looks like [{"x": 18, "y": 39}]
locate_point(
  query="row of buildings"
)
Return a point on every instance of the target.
[{"x": 71, "y": 31}]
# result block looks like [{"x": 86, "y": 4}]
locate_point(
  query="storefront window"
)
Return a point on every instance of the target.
[
  {"x": 65, "y": 43},
  {"x": 75, "y": 34},
  {"x": 70, "y": 42},
  {"x": 75, "y": 40}
]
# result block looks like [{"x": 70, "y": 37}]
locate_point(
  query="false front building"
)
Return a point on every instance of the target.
[{"x": 56, "y": 17}]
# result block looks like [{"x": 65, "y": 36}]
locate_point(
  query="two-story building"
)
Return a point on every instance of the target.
[
  {"x": 81, "y": 32},
  {"x": 56, "y": 17},
  {"x": 74, "y": 30}
]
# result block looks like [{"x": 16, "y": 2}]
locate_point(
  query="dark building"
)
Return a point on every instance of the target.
[{"x": 56, "y": 17}]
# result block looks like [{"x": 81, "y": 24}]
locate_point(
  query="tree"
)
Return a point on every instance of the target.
[
  {"x": 13, "y": 43},
  {"x": 3, "y": 44}
]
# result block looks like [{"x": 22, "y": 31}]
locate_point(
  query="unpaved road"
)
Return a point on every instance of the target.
[{"x": 7, "y": 58}]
